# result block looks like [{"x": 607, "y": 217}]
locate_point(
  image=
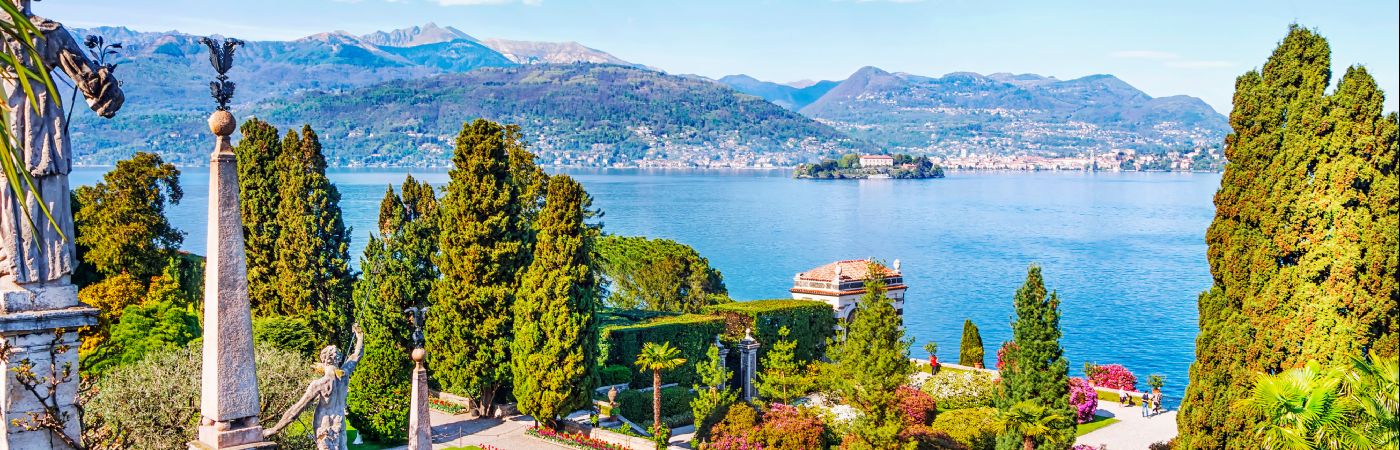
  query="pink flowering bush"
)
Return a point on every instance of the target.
[
  {"x": 575, "y": 439},
  {"x": 1083, "y": 398},
  {"x": 917, "y": 406},
  {"x": 1002, "y": 354},
  {"x": 782, "y": 427},
  {"x": 1112, "y": 376}
]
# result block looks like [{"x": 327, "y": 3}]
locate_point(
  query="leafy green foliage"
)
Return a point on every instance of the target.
[
  {"x": 614, "y": 374},
  {"x": 314, "y": 279},
  {"x": 258, "y": 198},
  {"x": 975, "y": 428},
  {"x": 554, "y": 350},
  {"x": 691, "y": 333},
  {"x": 658, "y": 274},
  {"x": 871, "y": 363},
  {"x": 165, "y": 320},
  {"x": 1307, "y": 200},
  {"x": 111, "y": 297},
  {"x": 713, "y": 395},
  {"x": 284, "y": 333},
  {"x": 783, "y": 378},
  {"x": 398, "y": 274},
  {"x": 1031, "y": 422},
  {"x": 1342, "y": 406},
  {"x": 120, "y": 221},
  {"x": 1035, "y": 371},
  {"x": 657, "y": 358},
  {"x": 971, "y": 353},
  {"x": 123, "y": 400},
  {"x": 636, "y": 405},
  {"x": 483, "y": 238},
  {"x": 809, "y": 322}
]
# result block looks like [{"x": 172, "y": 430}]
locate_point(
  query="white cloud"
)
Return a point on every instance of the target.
[{"x": 486, "y": 2}]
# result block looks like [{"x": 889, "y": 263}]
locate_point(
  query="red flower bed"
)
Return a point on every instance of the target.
[{"x": 574, "y": 439}]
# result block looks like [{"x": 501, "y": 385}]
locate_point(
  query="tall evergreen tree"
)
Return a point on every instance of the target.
[
  {"x": 871, "y": 363},
  {"x": 314, "y": 279},
  {"x": 258, "y": 198},
  {"x": 783, "y": 378},
  {"x": 120, "y": 222},
  {"x": 555, "y": 344},
  {"x": 1036, "y": 370},
  {"x": 971, "y": 353},
  {"x": 1302, "y": 246},
  {"x": 483, "y": 238},
  {"x": 398, "y": 274}
]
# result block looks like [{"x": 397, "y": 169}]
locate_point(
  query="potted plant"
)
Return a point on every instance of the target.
[
  {"x": 932, "y": 348},
  {"x": 1156, "y": 382}
]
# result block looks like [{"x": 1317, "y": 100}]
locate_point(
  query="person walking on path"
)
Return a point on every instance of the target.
[{"x": 1146, "y": 404}]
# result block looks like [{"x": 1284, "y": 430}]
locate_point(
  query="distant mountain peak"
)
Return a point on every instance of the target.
[
  {"x": 429, "y": 33},
  {"x": 531, "y": 52}
]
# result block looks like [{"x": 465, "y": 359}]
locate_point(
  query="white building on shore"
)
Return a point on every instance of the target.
[
  {"x": 876, "y": 160},
  {"x": 842, "y": 283}
]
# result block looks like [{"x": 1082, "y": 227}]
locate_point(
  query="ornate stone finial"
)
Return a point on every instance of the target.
[
  {"x": 221, "y": 122},
  {"x": 221, "y": 57},
  {"x": 896, "y": 265},
  {"x": 748, "y": 334},
  {"x": 836, "y": 278},
  {"x": 418, "y": 354}
]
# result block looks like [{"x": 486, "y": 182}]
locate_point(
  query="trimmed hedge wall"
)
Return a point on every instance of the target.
[
  {"x": 809, "y": 322},
  {"x": 691, "y": 333}
]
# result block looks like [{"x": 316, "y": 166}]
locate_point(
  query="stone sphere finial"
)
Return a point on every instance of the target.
[
  {"x": 222, "y": 123},
  {"x": 418, "y": 354}
]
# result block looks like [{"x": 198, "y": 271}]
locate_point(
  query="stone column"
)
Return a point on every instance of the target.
[
  {"x": 748, "y": 364},
  {"x": 723, "y": 355},
  {"x": 420, "y": 428},
  {"x": 36, "y": 321},
  {"x": 228, "y": 402}
]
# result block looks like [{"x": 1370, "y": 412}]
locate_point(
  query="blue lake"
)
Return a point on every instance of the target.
[{"x": 1125, "y": 252}]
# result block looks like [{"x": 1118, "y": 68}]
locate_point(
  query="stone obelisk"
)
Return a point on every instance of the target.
[
  {"x": 420, "y": 429},
  {"x": 228, "y": 401}
]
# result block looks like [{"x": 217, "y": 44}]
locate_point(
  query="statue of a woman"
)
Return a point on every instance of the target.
[
  {"x": 39, "y": 253},
  {"x": 328, "y": 395}
]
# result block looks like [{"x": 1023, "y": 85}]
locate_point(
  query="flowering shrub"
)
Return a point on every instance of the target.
[
  {"x": 1002, "y": 354},
  {"x": 1111, "y": 376},
  {"x": 572, "y": 439},
  {"x": 446, "y": 406},
  {"x": 917, "y": 406},
  {"x": 958, "y": 390},
  {"x": 1083, "y": 398},
  {"x": 974, "y": 428},
  {"x": 782, "y": 427}
]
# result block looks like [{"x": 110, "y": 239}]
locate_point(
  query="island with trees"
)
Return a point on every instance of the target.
[{"x": 857, "y": 167}]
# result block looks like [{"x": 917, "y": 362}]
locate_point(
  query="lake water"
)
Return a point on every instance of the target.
[{"x": 1126, "y": 251}]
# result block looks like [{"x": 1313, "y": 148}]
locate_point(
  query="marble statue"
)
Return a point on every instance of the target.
[
  {"x": 328, "y": 395},
  {"x": 40, "y": 253}
]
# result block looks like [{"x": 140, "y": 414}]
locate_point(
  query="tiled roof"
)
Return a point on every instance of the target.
[{"x": 851, "y": 269}]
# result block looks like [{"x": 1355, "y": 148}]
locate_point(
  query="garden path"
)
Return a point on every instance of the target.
[{"x": 1132, "y": 432}]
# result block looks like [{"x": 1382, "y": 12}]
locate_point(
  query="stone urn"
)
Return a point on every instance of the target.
[{"x": 612, "y": 402}]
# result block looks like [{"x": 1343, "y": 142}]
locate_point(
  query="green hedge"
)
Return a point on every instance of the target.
[
  {"x": 635, "y": 405},
  {"x": 810, "y": 323},
  {"x": 691, "y": 333}
]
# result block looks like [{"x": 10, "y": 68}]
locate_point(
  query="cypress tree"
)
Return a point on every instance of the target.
[
  {"x": 482, "y": 236},
  {"x": 1302, "y": 246},
  {"x": 398, "y": 274},
  {"x": 258, "y": 199},
  {"x": 871, "y": 363},
  {"x": 971, "y": 353},
  {"x": 783, "y": 378},
  {"x": 555, "y": 344},
  {"x": 314, "y": 280},
  {"x": 1036, "y": 369}
]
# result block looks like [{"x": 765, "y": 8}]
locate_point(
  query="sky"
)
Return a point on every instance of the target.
[{"x": 1182, "y": 47}]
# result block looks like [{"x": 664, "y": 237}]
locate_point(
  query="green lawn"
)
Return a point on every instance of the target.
[{"x": 1098, "y": 422}]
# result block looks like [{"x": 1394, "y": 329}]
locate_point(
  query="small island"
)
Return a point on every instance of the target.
[{"x": 855, "y": 167}]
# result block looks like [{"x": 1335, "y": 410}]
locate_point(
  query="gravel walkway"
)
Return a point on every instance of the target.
[{"x": 1132, "y": 432}]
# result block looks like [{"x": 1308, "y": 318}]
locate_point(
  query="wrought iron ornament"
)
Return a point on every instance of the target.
[
  {"x": 221, "y": 57},
  {"x": 418, "y": 315}
]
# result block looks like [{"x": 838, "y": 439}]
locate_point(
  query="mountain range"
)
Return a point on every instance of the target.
[{"x": 397, "y": 98}]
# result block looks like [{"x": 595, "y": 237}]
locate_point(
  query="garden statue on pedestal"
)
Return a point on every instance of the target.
[{"x": 328, "y": 394}]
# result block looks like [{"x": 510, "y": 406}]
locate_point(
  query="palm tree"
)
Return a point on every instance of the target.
[
  {"x": 1031, "y": 421},
  {"x": 657, "y": 358},
  {"x": 1303, "y": 408},
  {"x": 1374, "y": 387}
]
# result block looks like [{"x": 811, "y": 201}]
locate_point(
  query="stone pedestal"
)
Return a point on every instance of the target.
[
  {"x": 748, "y": 365},
  {"x": 30, "y": 318},
  {"x": 420, "y": 428},
  {"x": 228, "y": 401}
]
